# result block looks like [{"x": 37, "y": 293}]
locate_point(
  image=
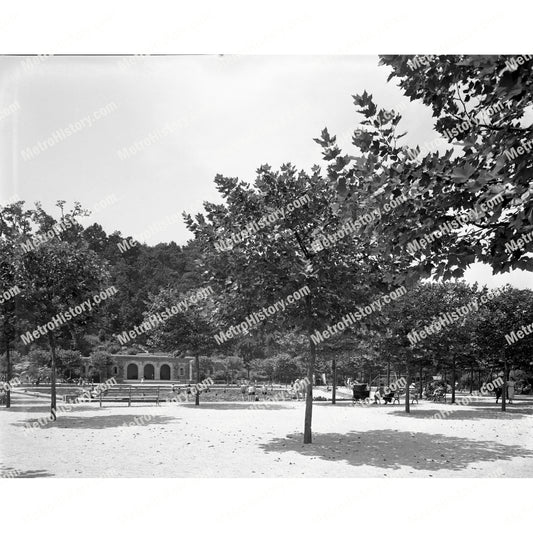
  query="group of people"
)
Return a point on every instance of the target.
[
  {"x": 297, "y": 389},
  {"x": 250, "y": 389},
  {"x": 176, "y": 389},
  {"x": 253, "y": 392},
  {"x": 387, "y": 395},
  {"x": 436, "y": 394}
]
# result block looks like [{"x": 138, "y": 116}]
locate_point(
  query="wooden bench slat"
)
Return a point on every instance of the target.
[{"x": 129, "y": 393}]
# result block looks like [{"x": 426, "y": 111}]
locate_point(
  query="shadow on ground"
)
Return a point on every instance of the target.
[
  {"x": 46, "y": 408},
  {"x": 516, "y": 403},
  {"x": 483, "y": 403},
  {"x": 99, "y": 421},
  {"x": 467, "y": 414},
  {"x": 27, "y": 409},
  {"x": 392, "y": 449},
  {"x": 6, "y": 472},
  {"x": 251, "y": 406}
]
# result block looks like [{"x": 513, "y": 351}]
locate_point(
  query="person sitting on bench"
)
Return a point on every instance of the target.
[
  {"x": 378, "y": 395},
  {"x": 389, "y": 397}
]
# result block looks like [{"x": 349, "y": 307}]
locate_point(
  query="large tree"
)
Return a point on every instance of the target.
[
  {"x": 273, "y": 260},
  {"x": 58, "y": 276},
  {"x": 474, "y": 201}
]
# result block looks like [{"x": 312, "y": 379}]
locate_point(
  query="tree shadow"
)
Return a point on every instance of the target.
[
  {"x": 28, "y": 409},
  {"x": 99, "y": 422},
  {"x": 252, "y": 406},
  {"x": 494, "y": 405},
  {"x": 486, "y": 402},
  {"x": 46, "y": 408},
  {"x": 466, "y": 414},
  {"x": 392, "y": 449},
  {"x": 11, "y": 473}
]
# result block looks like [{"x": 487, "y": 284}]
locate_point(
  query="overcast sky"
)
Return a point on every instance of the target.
[{"x": 207, "y": 114}]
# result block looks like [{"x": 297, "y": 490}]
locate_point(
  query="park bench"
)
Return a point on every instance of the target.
[
  {"x": 131, "y": 393},
  {"x": 70, "y": 398}
]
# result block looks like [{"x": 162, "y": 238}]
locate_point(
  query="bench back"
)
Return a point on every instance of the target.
[{"x": 137, "y": 391}]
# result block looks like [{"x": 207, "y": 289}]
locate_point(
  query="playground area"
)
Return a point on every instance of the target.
[{"x": 264, "y": 439}]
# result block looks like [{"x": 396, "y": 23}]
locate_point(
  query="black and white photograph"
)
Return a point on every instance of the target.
[{"x": 266, "y": 265}]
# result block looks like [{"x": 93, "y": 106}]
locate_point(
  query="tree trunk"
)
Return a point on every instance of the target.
[
  {"x": 197, "y": 395},
  {"x": 504, "y": 386},
  {"x": 471, "y": 379},
  {"x": 454, "y": 378},
  {"x": 53, "y": 400},
  {"x": 9, "y": 374},
  {"x": 388, "y": 372},
  {"x": 420, "y": 375},
  {"x": 334, "y": 372},
  {"x": 408, "y": 380},
  {"x": 310, "y": 371}
]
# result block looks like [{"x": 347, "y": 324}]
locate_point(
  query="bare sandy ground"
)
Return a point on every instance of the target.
[{"x": 234, "y": 440}]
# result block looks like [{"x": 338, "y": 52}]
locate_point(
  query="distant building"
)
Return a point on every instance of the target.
[{"x": 150, "y": 366}]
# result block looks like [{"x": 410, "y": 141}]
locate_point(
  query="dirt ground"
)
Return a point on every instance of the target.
[{"x": 241, "y": 439}]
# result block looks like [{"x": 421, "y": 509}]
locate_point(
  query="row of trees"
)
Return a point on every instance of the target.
[
  {"x": 56, "y": 264},
  {"x": 475, "y": 343}
]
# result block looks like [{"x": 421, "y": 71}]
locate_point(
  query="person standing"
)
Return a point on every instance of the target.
[
  {"x": 379, "y": 394},
  {"x": 251, "y": 392},
  {"x": 510, "y": 391},
  {"x": 413, "y": 393},
  {"x": 498, "y": 392}
]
